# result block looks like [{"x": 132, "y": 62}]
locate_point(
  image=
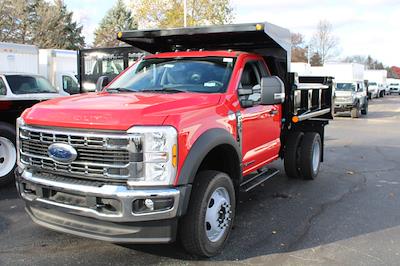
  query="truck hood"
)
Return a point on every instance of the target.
[{"x": 117, "y": 111}]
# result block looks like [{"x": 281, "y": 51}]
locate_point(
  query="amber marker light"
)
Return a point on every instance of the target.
[
  {"x": 259, "y": 27},
  {"x": 119, "y": 34},
  {"x": 174, "y": 155},
  {"x": 295, "y": 119}
]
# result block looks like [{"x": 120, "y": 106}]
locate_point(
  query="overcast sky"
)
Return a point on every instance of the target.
[{"x": 362, "y": 26}]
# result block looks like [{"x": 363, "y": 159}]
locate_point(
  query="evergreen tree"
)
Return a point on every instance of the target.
[
  {"x": 117, "y": 19},
  {"x": 39, "y": 22},
  {"x": 316, "y": 60}
]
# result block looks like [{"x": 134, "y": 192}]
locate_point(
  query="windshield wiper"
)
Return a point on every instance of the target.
[
  {"x": 119, "y": 90},
  {"x": 164, "y": 89}
]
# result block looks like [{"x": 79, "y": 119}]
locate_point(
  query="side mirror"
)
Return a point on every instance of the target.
[
  {"x": 272, "y": 91},
  {"x": 101, "y": 83}
]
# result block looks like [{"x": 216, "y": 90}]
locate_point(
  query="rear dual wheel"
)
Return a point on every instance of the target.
[{"x": 302, "y": 155}]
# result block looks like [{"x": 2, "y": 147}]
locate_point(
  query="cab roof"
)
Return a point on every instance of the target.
[{"x": 190, "y": 53}]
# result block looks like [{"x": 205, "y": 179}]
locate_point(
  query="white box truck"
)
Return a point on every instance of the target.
[
  {"x": 341, "y": 71},
  {"x": 60, "y": 67},
  {"x": 302, "y": 69},
  {"x": 19, "y": 58}
]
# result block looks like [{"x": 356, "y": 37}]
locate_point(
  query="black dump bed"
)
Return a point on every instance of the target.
[
  {"x": 268, "y": 40},
  {"x": 312, "y": 98}
]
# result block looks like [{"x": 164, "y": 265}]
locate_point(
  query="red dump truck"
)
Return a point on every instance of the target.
[{"x": 164, "y": 149}]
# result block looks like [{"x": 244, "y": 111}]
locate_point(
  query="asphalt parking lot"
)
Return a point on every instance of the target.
[{"x": 348, "y": 216}]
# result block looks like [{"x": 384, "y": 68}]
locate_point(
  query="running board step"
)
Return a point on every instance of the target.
[{"x": 257, "y": 179}]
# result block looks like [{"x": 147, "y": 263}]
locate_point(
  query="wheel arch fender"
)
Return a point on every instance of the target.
[{"x": 204, "y": 144}]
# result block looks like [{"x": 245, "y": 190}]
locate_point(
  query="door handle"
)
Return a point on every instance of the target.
[{"x": 273, "y": 112}]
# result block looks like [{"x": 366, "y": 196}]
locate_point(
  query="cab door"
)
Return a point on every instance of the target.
[
  {"x": 260, "y": 123},
  {"x": 361, "y": 93}
]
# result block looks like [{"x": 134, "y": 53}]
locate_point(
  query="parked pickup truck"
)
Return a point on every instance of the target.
[
  {"x": 351, "y": 96},
  {"x": 17, "y": 92},
  {"x": 167, "y": 145}
]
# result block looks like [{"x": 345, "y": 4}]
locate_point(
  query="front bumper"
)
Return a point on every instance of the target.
[
  {"x": 343, "y": 107},
  {"x": 78, "y": 207}
]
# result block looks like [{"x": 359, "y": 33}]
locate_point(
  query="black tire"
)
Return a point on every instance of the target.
[
  {"x": 8, "y": 132},
  {"x": 192, "y": 227},
  {"x": 307, "y": 169},
  {"x": 355, "y": 112},
  {"x": 291, "y": 154},
  {"x": 364, "y": 111}
]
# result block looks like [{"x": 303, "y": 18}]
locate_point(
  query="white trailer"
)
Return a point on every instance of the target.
[
  {"x": 60, "y": 67},
  {"x": 19, "y": 58}
]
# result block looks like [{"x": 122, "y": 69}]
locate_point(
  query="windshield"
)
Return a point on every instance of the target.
[
  {"x": 372, "y": 84},
  {"x": 20, "y": 84},
  {"x": 345, "y": 87},
  {"x": 206, "y": 74}
]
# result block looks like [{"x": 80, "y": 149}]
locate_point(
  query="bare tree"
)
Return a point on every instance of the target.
[
  {"x": 368, "y": 61},
  {"x": 324, "y": 42}
]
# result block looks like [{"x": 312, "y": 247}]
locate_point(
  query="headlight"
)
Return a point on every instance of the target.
[
  {"x": 20, "y": 123},
  {"x": 155, "y": 150}
]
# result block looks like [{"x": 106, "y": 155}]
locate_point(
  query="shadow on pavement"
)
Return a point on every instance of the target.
[{"x": 8, "y": 192}]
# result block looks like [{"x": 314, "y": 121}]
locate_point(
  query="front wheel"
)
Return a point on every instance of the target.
[
  {"x": 208, "y": 222},
  {"x": 8, "y": 154},
  {"x": 355, "y": 112},
  {"x": 365, "y": 110}
]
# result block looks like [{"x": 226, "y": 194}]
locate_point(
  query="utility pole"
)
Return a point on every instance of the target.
[
  {"x": 309, "y": 54},
  {"x": 185, "y": 13}
]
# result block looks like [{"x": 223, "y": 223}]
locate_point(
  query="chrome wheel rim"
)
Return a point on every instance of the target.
[
  {"x": 218, "y": 214},
  {"x": 8, "y": 156},
  {"x": 316, "y": 156}
]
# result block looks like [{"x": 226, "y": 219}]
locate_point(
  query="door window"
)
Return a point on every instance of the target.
[
  {"x": 3, "y": 89},
  {"x": 250, "y": 84},
  {"x": 70, "y": 85},
  {"x": 360, "y": 87}
]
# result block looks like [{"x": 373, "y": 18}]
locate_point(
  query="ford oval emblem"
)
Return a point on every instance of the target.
[{"x": 61, "y": 152}]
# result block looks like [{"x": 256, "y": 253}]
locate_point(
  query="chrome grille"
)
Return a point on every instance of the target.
[
  {"x": 101, "y": 156},
  {"x": 341, "y": 99}
]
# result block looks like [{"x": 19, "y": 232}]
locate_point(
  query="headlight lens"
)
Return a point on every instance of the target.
[{"x": 158, "y": 145}]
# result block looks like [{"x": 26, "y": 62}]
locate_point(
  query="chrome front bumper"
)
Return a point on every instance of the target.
[{"x": 124, "y": 225}]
